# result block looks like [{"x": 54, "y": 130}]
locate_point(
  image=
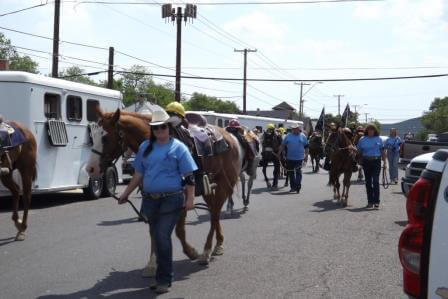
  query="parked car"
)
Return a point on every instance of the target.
[
  {"x": 423, "y": 245},
  {"x": 413, "y": 171},
  {"x": 411, "y": 149}
]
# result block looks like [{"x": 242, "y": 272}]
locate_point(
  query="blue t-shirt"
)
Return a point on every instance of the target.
[
  {"x": 296, "y": 145},
  {"x": 164, "y": 168},
  {"x": 370, "y": 146},
  {"x": 393, "y": 144}
]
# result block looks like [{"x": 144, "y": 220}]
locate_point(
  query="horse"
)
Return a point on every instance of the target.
[
  {"x": 20, "y": 156},
  {"x": 342, "y": 163},
  {"x": 316, "y": 151},
  {"x": 124, "y": 130},
  {"x": 254, "y": 143},
  {"x": 269, "y": 155}
]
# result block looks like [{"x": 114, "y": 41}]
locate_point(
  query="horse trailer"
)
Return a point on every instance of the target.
[
  {"x": 59, "y": 113},
  {"x": 248, "y": 121}
]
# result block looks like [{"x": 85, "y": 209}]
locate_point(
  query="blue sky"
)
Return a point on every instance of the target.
[{"x": 306, "y": 41}]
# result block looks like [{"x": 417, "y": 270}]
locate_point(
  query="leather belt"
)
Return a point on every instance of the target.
[{"x": 161, "y": 195}]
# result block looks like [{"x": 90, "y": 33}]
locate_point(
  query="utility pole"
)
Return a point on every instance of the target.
[
  {"x": 189, "y": 13},
  {"x": 110, "y": 71},
  {"x": 366, "y": 116},
  {"x": 245, "y": 51},
  {"x": 57, "y": 13},
  {"x": 301, "y": 101},
  {"x": 339, "y": 102}
]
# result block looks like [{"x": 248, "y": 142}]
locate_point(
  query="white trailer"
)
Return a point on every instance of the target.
[
  {"x": 249, "y": 121},
  {"x": 59, "y": 113}
]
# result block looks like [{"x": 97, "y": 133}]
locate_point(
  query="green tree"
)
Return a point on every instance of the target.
[
  {"x": 436, "y": 119},
  {"x": 76, "y": 74},
  {"x": 202, "y": 102},
  {"x": 16, "y": 61}
]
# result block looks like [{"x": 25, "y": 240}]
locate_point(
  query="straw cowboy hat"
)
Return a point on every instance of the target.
[
  {"x": 295, "y": 126},
  {"x": 159, "y": 117}
]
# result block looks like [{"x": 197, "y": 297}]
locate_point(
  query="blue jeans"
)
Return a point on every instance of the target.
[
  {"x": 163, "y": 215},
  {"x": 295, "y": 173},
  {"x": 372, "y": 170},
  {"x": 392, "y": 159}
]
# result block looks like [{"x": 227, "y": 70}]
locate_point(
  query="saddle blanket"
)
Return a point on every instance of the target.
[
  {"x": 207, "y": 140},
  {"x": 10, "y": 135}
]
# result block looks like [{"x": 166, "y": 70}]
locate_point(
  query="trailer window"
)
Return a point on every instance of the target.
[
  {"x": 220, "y": 123},
  {"x": 226, "y": 123},
  {"x": 52, "y": 108},
  {"x": 91, "y": 110},
  {"x": 74, "y": 108}
]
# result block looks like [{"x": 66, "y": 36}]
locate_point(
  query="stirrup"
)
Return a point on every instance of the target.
[{"x": 208, "y": 187}]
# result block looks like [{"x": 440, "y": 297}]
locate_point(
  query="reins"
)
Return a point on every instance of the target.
[{"x": 385, "y": 182}]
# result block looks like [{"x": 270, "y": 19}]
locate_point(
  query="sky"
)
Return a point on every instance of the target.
[{"x": 296, "y": 42}]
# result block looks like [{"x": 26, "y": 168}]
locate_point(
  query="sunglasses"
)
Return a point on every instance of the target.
[{"x": 163, "y": 127}]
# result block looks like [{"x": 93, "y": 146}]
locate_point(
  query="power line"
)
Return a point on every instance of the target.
[
  {"x": 223, "y": 3},
  {"x": 23, "y": 9}
]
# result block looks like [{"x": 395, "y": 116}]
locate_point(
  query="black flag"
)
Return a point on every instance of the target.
[
  {"x": 345, "y": 116},
  {"x": 320, "y": 123}
]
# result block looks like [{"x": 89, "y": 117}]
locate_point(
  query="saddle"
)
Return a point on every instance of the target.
[{"x": 207, "y": 140}]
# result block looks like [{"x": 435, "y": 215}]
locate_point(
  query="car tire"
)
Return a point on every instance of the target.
[
  {"x": 94, "y": 189},
  {"x": 110, "y": 180}
]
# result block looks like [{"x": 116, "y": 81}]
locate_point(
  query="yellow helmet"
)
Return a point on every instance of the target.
[
  {"x": 271, "y": 126},
  {"x": 281, "y": 130},
  {"x": 175, "y": 107}
]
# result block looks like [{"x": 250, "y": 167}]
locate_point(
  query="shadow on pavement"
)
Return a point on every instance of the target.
[
  {"x": 401, "y": 223},
  {"x": 362, "y": 209},
  {"x": 6, "y": 241},
  {"x": 260, "y": 190},
  {"x": 43, "y": 201},
  {"x": 129, "y": 284},
  {"x": 118, "y": 222},
  {"x": 326, "y": 205},
  {"x": 201, "y": 218}
]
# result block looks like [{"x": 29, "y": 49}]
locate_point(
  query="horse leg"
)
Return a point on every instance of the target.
[
  {"x": 347, "y": 178},
  {"x": 27, "y": 180},
  {"x": 230, "y": 204},
  {"x": 250, "y": 183},
  {"x": 317, "y": 164},
  {"x": 219, "y": 249},
  {"x": 243, "y": 187},
  {"x": 188, "y": 250},
  {"x": 265, "y": 165},
  {"x": 204, "y": 258},
  {"x": 338, "y": 187},
  {"x": 9, "y": 183},
  {"x": 151, "y": 267}
]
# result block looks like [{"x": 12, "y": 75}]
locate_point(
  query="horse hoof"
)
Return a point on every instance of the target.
[
  {"x": 20, "y": 236},
  {"x": 149, "y": 272},
  {"x": 193, "y": 255},
  {"x": 245, "y": 209},
  {"x": 219, "y": 250},
  {"x": 204, "y": 260}
]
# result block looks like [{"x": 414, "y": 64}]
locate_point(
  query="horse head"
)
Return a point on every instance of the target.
[{"x": 114, "y": 134}]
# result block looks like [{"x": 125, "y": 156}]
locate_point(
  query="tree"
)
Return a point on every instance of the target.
[
  {"x": 202, "y": 102},
  {"x": 75, "y": 74},
  {"x": 436, "y": 119},
  {"x": 16, "y": 61}
]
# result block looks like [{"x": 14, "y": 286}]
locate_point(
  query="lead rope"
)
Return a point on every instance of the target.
[{"x": 385, "y": 182}]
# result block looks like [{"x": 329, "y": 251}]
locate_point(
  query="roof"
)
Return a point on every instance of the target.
[
  {"x": 284, "y": 106},
  {"x": 144, "y": 108},
  {"x": 23, "y": 77},
  {"x": 284, "y": 114}
]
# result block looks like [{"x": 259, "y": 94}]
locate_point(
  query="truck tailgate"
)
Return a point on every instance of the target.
[{"x": 438, "y": 257}]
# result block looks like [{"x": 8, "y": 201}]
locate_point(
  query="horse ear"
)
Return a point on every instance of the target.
[
  {"x": 99, "y": 111},
  {"x": 116, "y": 116}
]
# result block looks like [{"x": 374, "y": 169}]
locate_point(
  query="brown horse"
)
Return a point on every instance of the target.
[
  {"x": 128, "y": 130},
  {"x": 342, "y": 163},
  {"x": 23, "y": 158},
  {"x": 316, "y": 151}
]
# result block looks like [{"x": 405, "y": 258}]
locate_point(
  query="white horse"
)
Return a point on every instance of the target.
[{"x": 247, "y": 169}]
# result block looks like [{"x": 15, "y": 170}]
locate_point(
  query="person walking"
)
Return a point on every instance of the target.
[
  {"x": 392, "y": 145},
  {"x": 296, "y": 145},
  {"x": 372, "y": 151},
  {"x": 165, "y": 166}
]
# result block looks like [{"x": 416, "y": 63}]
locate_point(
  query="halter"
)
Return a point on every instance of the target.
[{"x": 121, "y": 144}]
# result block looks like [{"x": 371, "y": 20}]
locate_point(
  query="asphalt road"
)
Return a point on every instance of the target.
[{"x": 285, "y": 246}]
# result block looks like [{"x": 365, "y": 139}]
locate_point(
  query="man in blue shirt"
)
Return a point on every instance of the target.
[
  {"x": 296, "y": 144},
  {"x": 392, "y": 146}
]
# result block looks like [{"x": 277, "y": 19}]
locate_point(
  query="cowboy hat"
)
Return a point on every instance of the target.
[
  {"x": 295, "y": 126},
  {"x": 159, "y": 117}
]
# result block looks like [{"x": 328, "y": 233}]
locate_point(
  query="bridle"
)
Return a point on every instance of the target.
[{"x": 108, "y": 159}]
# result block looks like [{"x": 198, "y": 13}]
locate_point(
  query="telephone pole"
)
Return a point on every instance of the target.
[
  {"x": 57, "y": 13},
  {"x": 339, "y": 102},
  {"x": 170, "y": 13},
  {"x": 301, "y": 100},
  {"x": 245, "y": 51},
  {"x": 110, "y": 71},
  {"x": 366, "y": 116}
]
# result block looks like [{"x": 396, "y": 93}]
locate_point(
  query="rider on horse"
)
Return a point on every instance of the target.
[
  {"x": 329, "y": 145},
  {"x": 235, "y": 129},
  {"x": 271, "y": 142}
]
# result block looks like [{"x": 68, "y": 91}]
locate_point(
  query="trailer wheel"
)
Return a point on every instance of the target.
[
  {"x": 94, "y": 189},
  {"x": 110, "y": 180}
]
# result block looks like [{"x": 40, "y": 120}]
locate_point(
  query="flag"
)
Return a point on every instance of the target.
[
  {"x": 345, "y": 116},
  {"x": 320, "y": 123}
]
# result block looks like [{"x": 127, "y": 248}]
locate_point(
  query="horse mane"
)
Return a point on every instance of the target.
[
  {"x": 145, "y": 117},
  {"x": 250, "y": 136}
]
